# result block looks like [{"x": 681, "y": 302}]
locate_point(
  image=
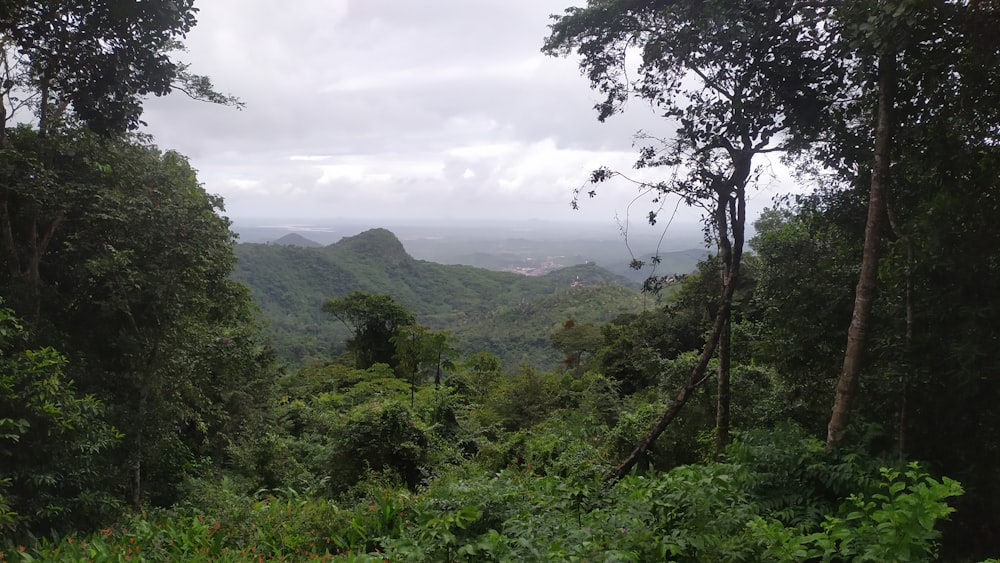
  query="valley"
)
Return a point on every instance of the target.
[{"x": 503, "y": 312}]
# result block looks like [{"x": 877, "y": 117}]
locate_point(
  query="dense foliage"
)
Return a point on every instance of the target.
[
  {"x": 499, "y": 312},
  {"x": 132, "y": 302},
  {"x": 142, "y": 416}
]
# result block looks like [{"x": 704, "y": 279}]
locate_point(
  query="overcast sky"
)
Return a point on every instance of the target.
[{"x": 397, "y": 109}]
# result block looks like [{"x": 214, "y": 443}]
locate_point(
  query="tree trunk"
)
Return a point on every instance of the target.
[
  {"x": 698, "y": 374},
  {"x": 733, "y": 214},
  {"x": 730, "y": 216},
  {"x": 723, "y": 398},
  {"x": 847, "y": 384},
  {"x": 694, "y": 380},
  {"x": 437, "y": 372},
  {"x": 136, "y": 497},
  {"x": 907, "y": 364},
  {"x": 4, "y": 142},
  {"x": 7, "y": 234}
]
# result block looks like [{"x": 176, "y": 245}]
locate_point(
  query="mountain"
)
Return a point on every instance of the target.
[
  {"x": 533, "y": 247},
  {"x": 480, "y": 307},
  {"x": 295, "y": 239}
]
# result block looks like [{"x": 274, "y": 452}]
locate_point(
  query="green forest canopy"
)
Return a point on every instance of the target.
[{"x": 142, "y": 407}]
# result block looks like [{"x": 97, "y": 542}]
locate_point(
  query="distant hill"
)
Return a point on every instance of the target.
[
  {"x": 484, "y": 309},
  {"x": 521, "y": 331},
  {"x": 669, "y": 263},
  {"x": 295, "y": 239}
]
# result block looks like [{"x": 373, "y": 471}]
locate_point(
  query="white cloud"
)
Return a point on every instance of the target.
[
  {"x": 394, "y": 108},
  {"x": 310, "y": 157}
]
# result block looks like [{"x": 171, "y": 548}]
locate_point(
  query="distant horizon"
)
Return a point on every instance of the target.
[
  {"x": 260, "y": 229},
  {"x": 438, "y": 221}
]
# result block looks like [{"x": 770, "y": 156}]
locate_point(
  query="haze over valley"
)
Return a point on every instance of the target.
[
  {"x": 530, "y": 247},
  {"x": 594, "y": 280},
  {"x": 506, "y": 313}
]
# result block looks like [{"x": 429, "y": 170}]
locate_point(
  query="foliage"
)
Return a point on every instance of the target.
[
  {"x": 291, "y": 283},
  {"x": 115, "y": 256},
  {"x": 375, "y": 320},
  {"x": 575, "y": 340},
  {"x": 805, "y": 261},
  {"x": 52, "y": 443},
  {"x": 134, "y": 288},
  {"x": 378, "y": 437},
  {"x": 525, "y": 398},
  {"x": 897, "y": 524},
  {"x": 693, "y": 513},
  {"x": 101, "y": 60},
  {"x": 522, "y": 332},
  {"x": 924, "y": 364}
]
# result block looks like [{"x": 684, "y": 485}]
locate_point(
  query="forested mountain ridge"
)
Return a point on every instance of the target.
[
  {"x": 291, "y": 283},
  {"x": 143, "y": 415}
]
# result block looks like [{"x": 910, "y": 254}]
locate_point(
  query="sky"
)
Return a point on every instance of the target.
[{"x": 396, "y": 109}]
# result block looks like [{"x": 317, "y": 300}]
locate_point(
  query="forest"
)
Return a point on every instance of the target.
[
  {"x": 823, "y": 390},
  {"x": 290, "y": 284}
]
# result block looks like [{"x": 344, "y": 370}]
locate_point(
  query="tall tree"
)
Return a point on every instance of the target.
[
  {"x": 53, "y": 443},
  {"x": 375, "y": 319},
  {"x": 737, "y": 80},
  {"x": 136, "y": 291},
  {"x": 419, "y": 349},
  {"x": 847, "y": 384},
  {"x": 907, "y": 51},
  {"x": 110, "y": 247},
  {"x": 75, "y": 61},
  {"x": 98, "y": 59}
]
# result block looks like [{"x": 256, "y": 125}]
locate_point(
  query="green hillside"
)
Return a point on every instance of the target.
[
  {"x": 500, "y": 312},
  {"x": 521, "y": 331}
]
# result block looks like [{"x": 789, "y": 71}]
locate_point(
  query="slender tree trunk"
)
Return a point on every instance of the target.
[
  {"x": 136, "y": 500},
  {"x": 7, "y": 234},
  {"x": 44, "y": 97},
  {"x": 723, "y": 397},
  {"x": 907, "y": 363},
  {"x": 698, "y": 375},
  {"x": 4, "y": 141},
  {"x": 730, "y": 214},
  {"x": 864, "y": 297},
  {"x": 724, "y": 349},
  {"x": 733, "y": 214},
  {"x": 437, "y": 372}
]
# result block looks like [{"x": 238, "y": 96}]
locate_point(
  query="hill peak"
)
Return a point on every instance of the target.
[
  {"x": 295, "y": 239},
  {"x": 377, "y": 243}
]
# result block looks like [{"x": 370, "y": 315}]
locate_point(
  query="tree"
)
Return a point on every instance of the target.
[
  {"x": 375, "y": 319},
  {"x": 574, "y": 340},
  {"x": 76, "y": 62},
  {"x": 53, "y": 443},
  {"x": 42, "y": 179},
  {"x": 111, "y": 249},
  {"x": 419, "y": 349},
  {"x": 137, "y": 293},
  {"x": 847, "y": 384},
  {"x": 100, "y": 60},
  {"x": 934, "y": 282},
  {"x": 907, "y": 49},
  {"x": 739, "y": 80}
]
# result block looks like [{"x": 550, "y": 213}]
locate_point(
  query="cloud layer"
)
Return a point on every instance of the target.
[{"x": 387, "y": 108}]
